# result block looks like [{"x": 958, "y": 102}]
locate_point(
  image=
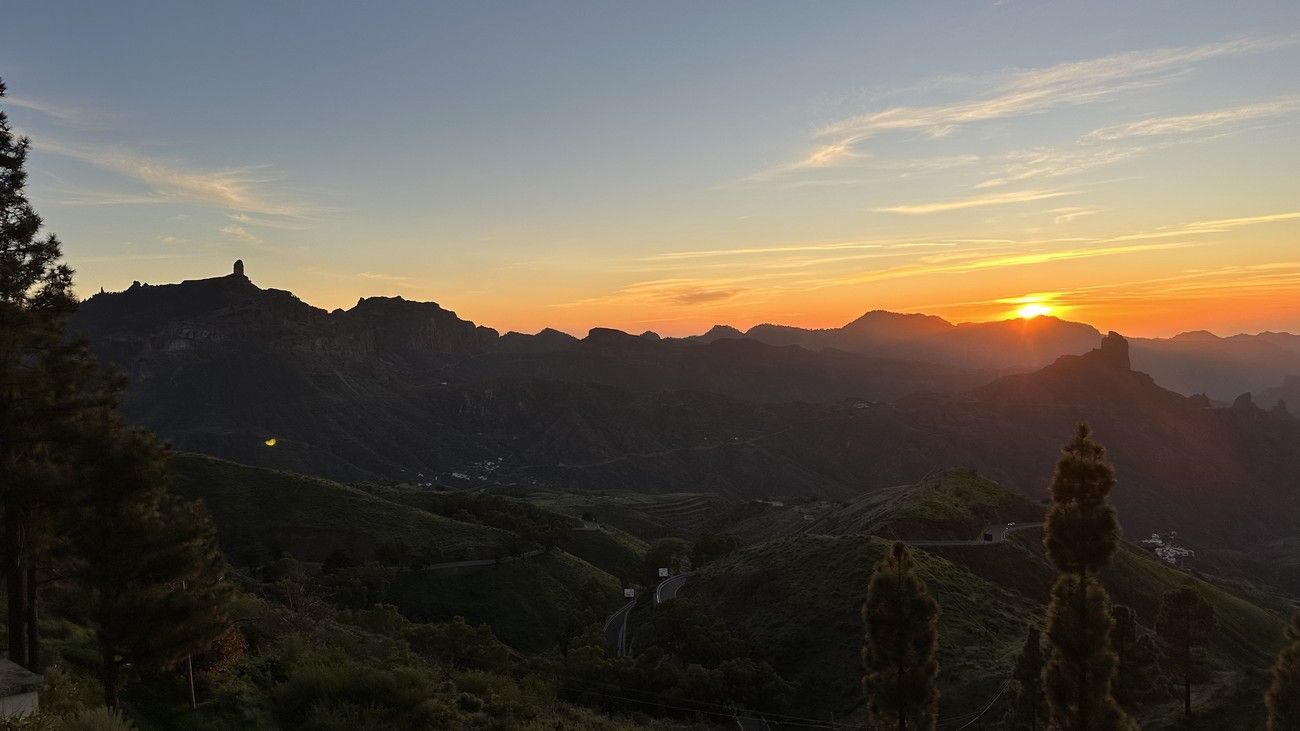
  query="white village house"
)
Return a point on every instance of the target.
[{"x": 19, "y": 690}]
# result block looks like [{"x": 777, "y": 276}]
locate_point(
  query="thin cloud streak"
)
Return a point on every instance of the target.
[
  {"x": 1004, "y": 261},
  {"x": 997, "y": 199},
  {"x": 1037, "y": 90},
  {"x": 1190, "y": 123},
  {"x": 1028, "y": 92},
  {"x": 241, "y": 190},
  {"x": 837, "y": 246},
  {"x": 67, "y": 116}
]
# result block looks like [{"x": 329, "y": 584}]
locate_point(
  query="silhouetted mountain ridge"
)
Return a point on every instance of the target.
[
  {"x": 1192, "y": 362},
  {"x": 393, "y": 389}
]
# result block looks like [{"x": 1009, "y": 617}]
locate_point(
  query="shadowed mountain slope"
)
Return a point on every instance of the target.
[{"x": 395, "y": 390}]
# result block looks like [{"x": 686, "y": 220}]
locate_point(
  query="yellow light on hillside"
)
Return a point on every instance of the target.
[{"x": 270, "y": 442}]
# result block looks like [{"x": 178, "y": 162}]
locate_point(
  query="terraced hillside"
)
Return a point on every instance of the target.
[{"x": 645, "y": 516}]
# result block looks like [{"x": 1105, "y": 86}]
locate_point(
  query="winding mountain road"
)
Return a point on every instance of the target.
[
  {"x": 616, "y": 628},
  {"x": 668, "y": 588}
]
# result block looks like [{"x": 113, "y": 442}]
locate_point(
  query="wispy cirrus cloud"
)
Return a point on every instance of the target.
[
  {"x": 65, "y": 115},
  {"x": 1227, "y": 224},
  {"x": 1038, "y": 90},
  {"x": 264, "y": 222},
  {"x": 1207, "y": 227},
  {"x": 1069, "y": 213},
  {"x": 678, "y": 291},
  {"x": 398, "y": 279},
  {"x": 1022, "y": 165},
  {"x": 979, "y": 201},
  {"x": 796, "y": 248},
  {"x": 1191, "y": 123},
  {"x": 991, "y": 261},
  {"x": 1022, "y": 93},
  {"x": 247, "y": 191},
  {"x": 240, "y": 233}
]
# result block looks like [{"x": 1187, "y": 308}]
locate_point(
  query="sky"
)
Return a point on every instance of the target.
[{"x": 671, "y": 165}]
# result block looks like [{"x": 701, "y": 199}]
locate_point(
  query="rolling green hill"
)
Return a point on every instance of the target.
[
  {"x": 947, "y": 504},
  {"x": 532, "y": 603},
  {"x": 261, "y": 513},
  {"x": 798, "y": 599}
]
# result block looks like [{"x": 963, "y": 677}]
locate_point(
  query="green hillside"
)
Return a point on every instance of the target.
[
  {"x": 261, "y": 513},
  {"x": 611, "y": 550},
  {"x": 532, "y": 603},
  {"x": 798, "y": 600},
  {"x": 951, "y": 504},
  {"x": 644, "y": 516}
]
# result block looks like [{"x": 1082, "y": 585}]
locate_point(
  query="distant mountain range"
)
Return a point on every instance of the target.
[
  {"x": 399, "y": 390},
  {"x": 1190, "y": 363}
]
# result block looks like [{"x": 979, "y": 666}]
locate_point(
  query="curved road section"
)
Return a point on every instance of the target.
[
  {"x": 668, "y": 588},
  {"x": 616, "y": 628},
  {"x": 616, "y": 625}
]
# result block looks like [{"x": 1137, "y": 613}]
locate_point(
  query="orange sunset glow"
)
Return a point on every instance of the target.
[
  {"x": 1146, "y": 181},
  {"x": 577, "y": 364}
]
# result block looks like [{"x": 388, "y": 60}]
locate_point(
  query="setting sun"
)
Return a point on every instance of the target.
[{"x": 1032, "y": 310}]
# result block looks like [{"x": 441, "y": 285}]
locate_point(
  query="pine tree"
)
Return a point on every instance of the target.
[
  {"x": 1081, "y": 534},
  {"x": 47, "y": 386},
  {"x": 1027, "y": 708},
  {"x": 1184, "y": 623},
  {"x": 1283, "y": 699},
  {"x": 1137, "y": 658},
  {"x": 153, "y": 582},
  {"x": 902, "y": 636}
]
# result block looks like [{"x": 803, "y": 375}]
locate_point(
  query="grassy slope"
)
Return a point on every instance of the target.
[
  {"x": 531, "y": 603},
  {"x": 611, "y": 550},
  {"x": 946, "y": 505},
  {"x": 1250, "y": 628},
  {"x": 645, "y": 516},
  {"x": 260, "y": 511},
  {"x": 800, "y": 598}
]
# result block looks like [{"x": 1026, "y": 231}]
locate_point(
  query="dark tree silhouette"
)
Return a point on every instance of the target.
[
  {"x": 47, "y": 386},
  {"x": 1081, "y": 534},
  {"x": 1283, "y": 699},
  {"x": 1184, "y": 624},
  {"x": 666, "y": 553},
  {"x": 1027, "y": 708},
  {"x": 711, "y": 546},
  {"x": 152, "y": 580},
  {"x": 1137, "y": 658},
  {"x": 902, "y": 636}
]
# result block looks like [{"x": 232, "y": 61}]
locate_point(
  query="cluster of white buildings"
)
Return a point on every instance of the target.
[{"x": 1164, "y": 549}]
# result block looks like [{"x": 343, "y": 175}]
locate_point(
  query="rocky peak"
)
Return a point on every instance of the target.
[
  {"x": 718, "y": 332},
  {"x": 1114, "y": 352}
]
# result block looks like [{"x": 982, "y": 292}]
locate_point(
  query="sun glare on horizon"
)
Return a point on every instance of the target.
[{"x": 1032, "y": 310}]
